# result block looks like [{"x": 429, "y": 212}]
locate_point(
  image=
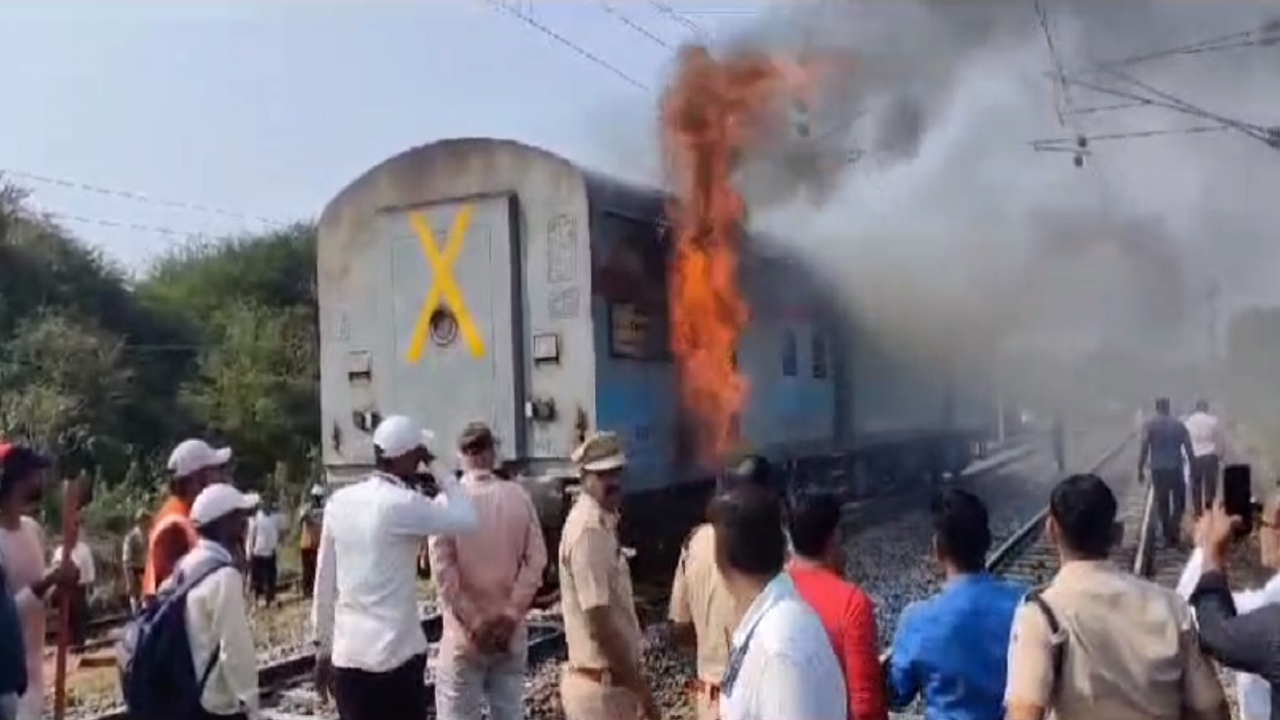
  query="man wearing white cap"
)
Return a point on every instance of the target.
[
  {"x": 193, "y": 464},
  {"x": 370, "y": 648},
  {"x": 217, "y": 618}
]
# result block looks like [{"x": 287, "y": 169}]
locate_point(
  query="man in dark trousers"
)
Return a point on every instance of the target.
[{"x": 1166, "y": 445}]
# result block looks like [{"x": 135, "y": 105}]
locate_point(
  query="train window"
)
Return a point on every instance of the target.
[
  {"x": 789, "y": 361},
  {"x": 631, "y": 277},
  {"x": 819, "y": 351}
]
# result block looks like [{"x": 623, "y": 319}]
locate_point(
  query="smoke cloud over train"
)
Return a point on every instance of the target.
[{"x": 917, "y": 190}]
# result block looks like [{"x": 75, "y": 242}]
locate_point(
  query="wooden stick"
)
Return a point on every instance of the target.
[{"x": 70, "y": 535}]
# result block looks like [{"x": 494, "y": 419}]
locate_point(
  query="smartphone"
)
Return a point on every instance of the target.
[{"x": 1237, "y": 495}]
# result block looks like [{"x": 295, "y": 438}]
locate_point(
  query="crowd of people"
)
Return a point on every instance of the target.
[{"x": 759, "y": 598}]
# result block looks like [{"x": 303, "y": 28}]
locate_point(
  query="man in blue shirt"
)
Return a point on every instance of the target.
[
  {"x": 951, "y": 648},
  {"x": 1166, "y": 444}
]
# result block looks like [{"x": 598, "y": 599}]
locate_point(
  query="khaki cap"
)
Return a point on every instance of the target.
[{"x": 601, "y": 452}]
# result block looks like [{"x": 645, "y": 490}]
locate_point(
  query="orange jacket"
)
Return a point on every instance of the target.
[{"x": 162, "y": 560}]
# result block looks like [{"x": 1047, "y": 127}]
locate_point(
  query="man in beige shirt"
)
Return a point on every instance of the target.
[
  {"x": 703, "y": 613},
  {"x": 1098, "y": 642},
  {"x": 602, "y": 679}
]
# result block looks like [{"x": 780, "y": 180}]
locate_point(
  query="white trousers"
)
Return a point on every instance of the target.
[{"x": 466, "y": 682}]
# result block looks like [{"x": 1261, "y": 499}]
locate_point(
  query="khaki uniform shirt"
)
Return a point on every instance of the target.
[
  {"x": 699, "y": 597},
  {"x": 1130, "y": 650},
  {"x": 594, "y": 573}
]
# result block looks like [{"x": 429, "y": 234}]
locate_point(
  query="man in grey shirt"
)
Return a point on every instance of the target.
[{"x": 1165, "y": 446}]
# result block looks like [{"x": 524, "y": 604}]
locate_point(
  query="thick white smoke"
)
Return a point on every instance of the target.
[{"x": 951, "y": 224}]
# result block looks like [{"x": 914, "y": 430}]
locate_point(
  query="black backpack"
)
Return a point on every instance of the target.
[{"x": 157, "y": 675}]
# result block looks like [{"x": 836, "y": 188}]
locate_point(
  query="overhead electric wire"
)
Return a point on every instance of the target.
[
  {"x": 1257, "y": 37},
  {"x": 137, "y": 196},
  {"x": 1068, "y": 144},
  {"x": 575, "y": 47},
  {"x": 625, "y": 20},
  {"x": 677, "y": 17},
  {"x": 1149, "y": 96}
]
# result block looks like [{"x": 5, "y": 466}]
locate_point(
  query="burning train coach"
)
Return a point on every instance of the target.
[{"x": 483, "y": 279}]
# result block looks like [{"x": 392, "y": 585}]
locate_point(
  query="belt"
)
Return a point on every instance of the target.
[
  {"x": 600, "y": 676},
  {"x": 702, "y": 688}
]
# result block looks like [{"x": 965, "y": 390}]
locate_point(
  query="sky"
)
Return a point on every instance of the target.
[{"x": 228, "y": 116}]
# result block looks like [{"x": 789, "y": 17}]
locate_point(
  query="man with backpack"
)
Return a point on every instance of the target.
[{"x": 190, "y": 654}]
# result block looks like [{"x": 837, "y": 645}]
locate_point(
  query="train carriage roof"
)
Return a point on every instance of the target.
[{"x": 771, "y": 273}]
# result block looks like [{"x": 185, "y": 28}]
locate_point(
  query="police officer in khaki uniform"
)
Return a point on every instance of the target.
[
  {"x": 703, "y": 613},
  {"x": 602, "y": 679},
  {"x": 1098, "y": 642}
]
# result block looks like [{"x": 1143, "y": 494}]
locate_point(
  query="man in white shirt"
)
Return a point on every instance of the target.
[
  {"x": 781, "y": 664},
  {"x": 82, "y": 557},
  {"x": 263, "y": 540},
  {"x": 1253, "y": 692},
  {"x": 1209, "y": 445},
  {"x": 370, "y": 648},
  {"x": 217, "y": 618}
]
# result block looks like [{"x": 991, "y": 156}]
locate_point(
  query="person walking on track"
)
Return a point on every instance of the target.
[
  {"x": 371, "y": 652},
  {"x": 1059, "y": 440},
  {"x": 193, "y": 464},
  {"x": 602, "y": 679},
  {"x": 263, "y": 538},
  {"x": 82, "y": 556},
  {"x": 487, "y": 579},
  {"x": 133, "y": 558},
  {"x": 1209, "y": 447},
  {"x": 1166, "y": 445},
  {"x": 310, "y": 518}
]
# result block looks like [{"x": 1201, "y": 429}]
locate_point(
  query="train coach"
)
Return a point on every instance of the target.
[{"x": 484, "y": 279}]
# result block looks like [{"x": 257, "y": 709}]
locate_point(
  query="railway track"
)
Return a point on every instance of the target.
[
  {"x": 287, "y": 693},
  {"x": 1028, "y": 557},
  {"x": 284, "y": 683}
]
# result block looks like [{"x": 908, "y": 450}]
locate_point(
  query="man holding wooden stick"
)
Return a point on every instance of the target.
[{"x": 22, "y": 553}]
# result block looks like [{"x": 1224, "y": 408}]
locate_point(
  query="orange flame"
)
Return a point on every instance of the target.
[{"x": 711, "y": 113}]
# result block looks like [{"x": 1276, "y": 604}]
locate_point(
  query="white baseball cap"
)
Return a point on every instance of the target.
[
  {"x": 194, "y": 455},
  {"x": 397, "y": 436},
  {"x": 219, "y": 500}
]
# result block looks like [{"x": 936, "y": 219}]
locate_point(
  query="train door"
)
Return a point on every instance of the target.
[{"x": 456, "y": 312}]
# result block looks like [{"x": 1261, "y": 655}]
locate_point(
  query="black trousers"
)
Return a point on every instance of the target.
[
  {"x": 262, "y": 574},
  {"x": 79, "y": 617},
  {"x": 308, "y": 558},
  {"x": 397, "y": 694},
  {"x": 1170, "y": 498},
  {"x": 1204, "y": 482}
]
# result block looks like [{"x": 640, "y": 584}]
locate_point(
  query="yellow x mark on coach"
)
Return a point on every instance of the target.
[{"x": 445, "y": 288}]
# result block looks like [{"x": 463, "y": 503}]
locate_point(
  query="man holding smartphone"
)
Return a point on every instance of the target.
[{"x": 1240, "y": 626}]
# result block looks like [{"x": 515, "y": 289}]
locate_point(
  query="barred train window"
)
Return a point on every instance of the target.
[
  {"x": 789, "y": 361},
  {"x": 819, "y": 355}
]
